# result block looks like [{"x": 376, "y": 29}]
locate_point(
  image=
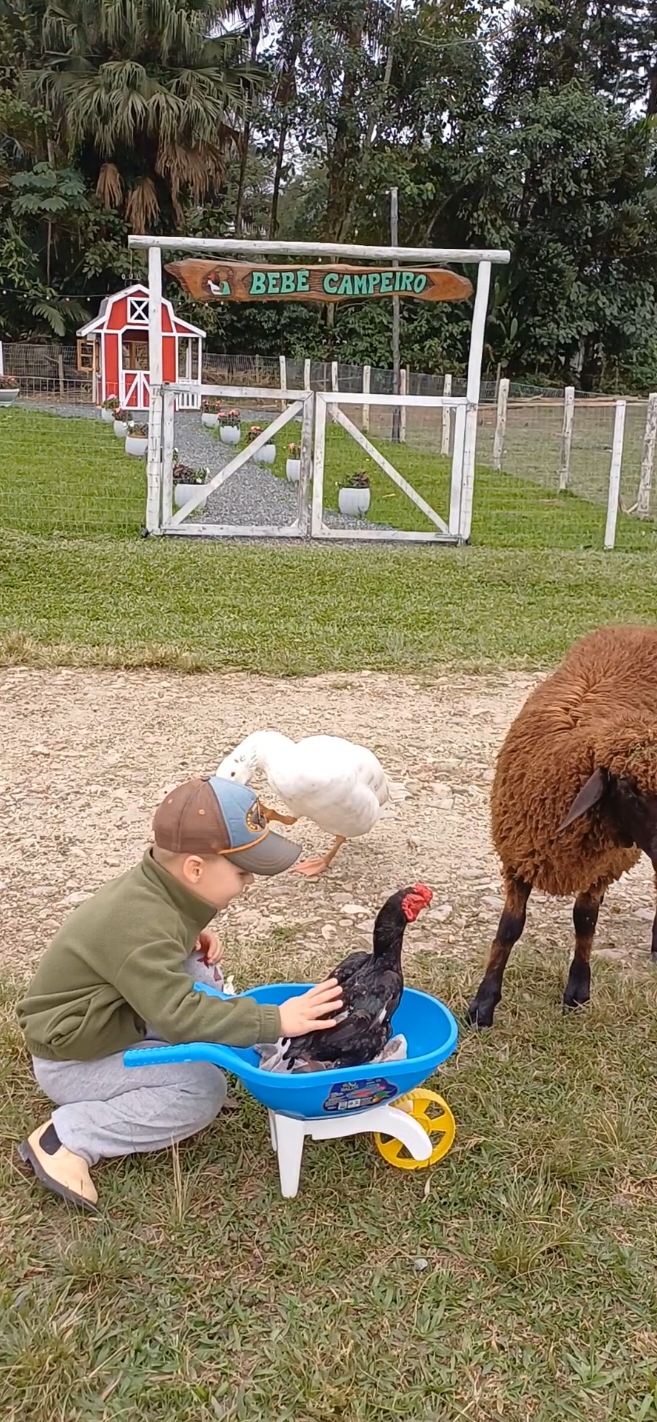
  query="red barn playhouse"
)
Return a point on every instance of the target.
[{"x": 116, "y": 351}]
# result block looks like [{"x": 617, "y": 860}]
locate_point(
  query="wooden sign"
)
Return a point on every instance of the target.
[{"x": 237, "y": 281}]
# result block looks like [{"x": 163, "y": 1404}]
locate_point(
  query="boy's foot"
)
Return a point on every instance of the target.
[{"x": 59, "y": 1169}]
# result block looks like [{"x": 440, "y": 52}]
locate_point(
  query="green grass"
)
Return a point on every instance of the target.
[
  {"x": 298, "y": 611},
  {"x": 67, "y": 477},
  {"x": 71, "y": 478},
  {"x": 200, "y": 1295}
]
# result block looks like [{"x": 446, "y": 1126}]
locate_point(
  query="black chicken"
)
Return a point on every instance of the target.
[{"x": 372, "y": 985}]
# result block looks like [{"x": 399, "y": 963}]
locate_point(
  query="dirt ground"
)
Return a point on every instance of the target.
[{"x": 87, "y": 756}]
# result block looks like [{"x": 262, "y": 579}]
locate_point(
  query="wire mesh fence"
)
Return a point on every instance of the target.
[{"x": 533, "y": 487}]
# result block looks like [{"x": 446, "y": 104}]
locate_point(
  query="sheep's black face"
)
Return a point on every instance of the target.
[
  {"x": 628, "y": 811},
  {"x": 634, "y": 814}
]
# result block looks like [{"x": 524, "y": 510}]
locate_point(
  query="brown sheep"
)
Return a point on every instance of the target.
[{"x": 574, "y": 800}]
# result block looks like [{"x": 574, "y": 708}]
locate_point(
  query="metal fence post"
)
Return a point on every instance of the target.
[
  {"x": 566, "y": 436},
  {"x": 500, "y": 426},
  {"x": 647, "y": 459},
  {"x": 447, "y": 418},
  {"x": 403, "y": 390},
  {"x": 367, "y": 375},
  {"x": 282, "y": 365},
  {"x": 615, "y": 475}
]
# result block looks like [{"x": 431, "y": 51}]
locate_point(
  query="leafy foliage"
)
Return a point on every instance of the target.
[{"x": 526, "y": 125}]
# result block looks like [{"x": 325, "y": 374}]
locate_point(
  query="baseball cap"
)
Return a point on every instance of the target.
[{"x": 216, "y": 816}]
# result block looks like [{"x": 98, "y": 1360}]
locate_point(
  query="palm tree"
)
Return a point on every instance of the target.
[{"x": 146, "y": 95}]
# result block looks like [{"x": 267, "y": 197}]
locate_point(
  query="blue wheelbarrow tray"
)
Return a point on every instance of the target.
[{"x": 340, "y": 1101}]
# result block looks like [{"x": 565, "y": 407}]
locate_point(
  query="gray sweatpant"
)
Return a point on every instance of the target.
[{"x": 106, "y": 1109}]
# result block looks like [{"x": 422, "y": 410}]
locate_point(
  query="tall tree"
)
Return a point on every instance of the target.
[{"x": 146, "y": 94}]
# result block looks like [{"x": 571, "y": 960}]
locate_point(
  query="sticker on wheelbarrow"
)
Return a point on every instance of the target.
[{"x": 354, "y": 1095}]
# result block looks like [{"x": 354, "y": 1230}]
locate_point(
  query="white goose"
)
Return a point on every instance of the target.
[{"x": 339, "y": 785}]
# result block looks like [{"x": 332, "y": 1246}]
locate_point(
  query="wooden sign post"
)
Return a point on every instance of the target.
[{"x": 237, "y": 281}]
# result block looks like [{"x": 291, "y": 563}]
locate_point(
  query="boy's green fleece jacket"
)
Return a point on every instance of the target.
[{"x": 116, "y": 965}]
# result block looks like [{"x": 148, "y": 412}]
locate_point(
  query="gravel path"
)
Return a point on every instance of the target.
[{"x": 251, "y": 496}]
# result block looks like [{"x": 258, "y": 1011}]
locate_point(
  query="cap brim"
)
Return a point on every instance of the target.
[{"x": 272, "y": 855}]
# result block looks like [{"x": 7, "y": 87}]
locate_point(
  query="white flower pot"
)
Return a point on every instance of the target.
[
  {"x": 353, "y": 503},
  {"x": 293, "y": 470},
  {"x": 266, "y": 455},
  {"x": 230, "y": 434},
  {"x": 182, "y": 493},
  {"x": 210, "y": 421},
  {"x": 107, "y": 416},
  {"x": 136, "y": 444},
  {"x": 120, "y": 429},
  {"x": 7, "y": 397}
]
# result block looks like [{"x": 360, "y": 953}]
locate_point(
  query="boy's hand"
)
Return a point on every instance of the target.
[
  {"x": 208, "y": 944},
  {"x": 310, "y": 1011}
]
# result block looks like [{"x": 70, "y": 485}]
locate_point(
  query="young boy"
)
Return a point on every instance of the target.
[{"x": 117, "y": 975}]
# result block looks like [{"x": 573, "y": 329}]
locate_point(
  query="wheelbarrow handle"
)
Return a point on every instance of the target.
[{"x": 187, "y": 1051}]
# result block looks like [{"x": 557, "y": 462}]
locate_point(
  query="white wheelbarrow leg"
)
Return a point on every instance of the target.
[
  {"x": 393, "y": 1121},
  {"x": 289, "y": 1148},
  {"x": 272, "y": 1130}
]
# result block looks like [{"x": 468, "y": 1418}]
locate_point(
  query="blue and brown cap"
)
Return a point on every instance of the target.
[{"x": 218, "y": 816}]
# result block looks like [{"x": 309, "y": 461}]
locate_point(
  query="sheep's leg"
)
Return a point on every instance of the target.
[
  {"x": 514, "y": 915},
  {"x": 654, "y": 928},
  {"x": 585, "y": 918}
]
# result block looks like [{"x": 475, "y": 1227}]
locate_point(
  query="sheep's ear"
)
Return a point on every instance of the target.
[{"x": 589, "y": 795}]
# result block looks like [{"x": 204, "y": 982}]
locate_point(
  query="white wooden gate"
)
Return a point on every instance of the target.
[
  {"x": 456, "y": 528},
  {"x": 452, "y": 528},
  {"x": 298, "y": 404}
]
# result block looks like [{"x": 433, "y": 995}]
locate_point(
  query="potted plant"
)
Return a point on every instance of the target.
[
  {"x": 210, "y": 412},
  {"x": 267, "y": 454},
  {"x": 293, "y": 463},
  {"x": 230, "y": 427},
  {"x": 108, "y": 409},
  {"x": 136, "y": 440},
  {"x": 123, "y": 422},
  {"x": 9, "y": 389},
  {"x": 354, "y": 496},
  {"x": 186, "y": 482}
]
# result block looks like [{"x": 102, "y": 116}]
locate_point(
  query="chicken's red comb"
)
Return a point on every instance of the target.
[{"x": 423, "y": 892}]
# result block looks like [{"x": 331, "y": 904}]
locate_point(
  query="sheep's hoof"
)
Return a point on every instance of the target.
[
  {"x": 480, "y": 1014},
  {"x": 573, "y": 999}
]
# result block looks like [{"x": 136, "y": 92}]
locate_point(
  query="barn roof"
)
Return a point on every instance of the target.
[{"x": 99, "y": 322}]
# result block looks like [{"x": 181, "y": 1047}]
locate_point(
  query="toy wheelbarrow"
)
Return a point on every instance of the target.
[{"x": 379, "y": 1097}]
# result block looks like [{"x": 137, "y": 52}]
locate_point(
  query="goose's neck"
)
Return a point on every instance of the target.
[{"x": 266, "y": 745}]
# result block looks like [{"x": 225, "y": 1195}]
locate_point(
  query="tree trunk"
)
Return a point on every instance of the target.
[
  {"x": 258, "y": 15},
  {"x": 284, "y": 95},
  {"x": 343, "y": 156}
]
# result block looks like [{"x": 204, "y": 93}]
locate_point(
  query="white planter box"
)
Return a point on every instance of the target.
[
  {"x": 7, "y": 397},
  {"x": 210, "y": 421},
  {"x": 120, "y": 429},
  {"x": 230, "y": 434},
  {"x": 354, "y": 503},
  {"x": 293, "y": 470},
  {"x": 182, "y": 493},
  {"x": 266, "y": 455},
  {"x": 107, "y": 416},
  {"x": 136, "y": 444}
]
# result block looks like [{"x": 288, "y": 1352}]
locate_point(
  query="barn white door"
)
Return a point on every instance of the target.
[{"x": 135, "y": 389}]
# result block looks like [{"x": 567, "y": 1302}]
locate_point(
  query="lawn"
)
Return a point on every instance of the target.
[
  {"x": 302, "y": 611},
  {"x": 516, "y": 1283},
  {"x": 71, "y": 478}
]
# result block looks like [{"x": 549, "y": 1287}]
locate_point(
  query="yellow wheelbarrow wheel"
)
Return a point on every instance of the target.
[{"x": 434, "y": 1114}]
